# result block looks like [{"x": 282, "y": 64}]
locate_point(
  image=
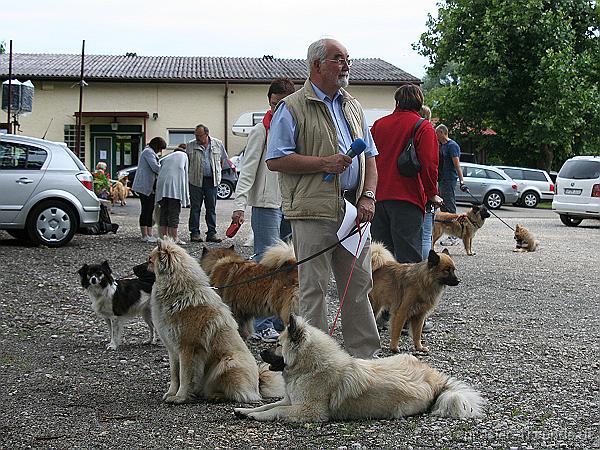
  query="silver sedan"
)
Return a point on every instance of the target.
[{"x": 487, "y": 185}]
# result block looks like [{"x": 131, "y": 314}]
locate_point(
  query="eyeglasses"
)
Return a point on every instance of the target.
[{"x": 341, "y": 61}]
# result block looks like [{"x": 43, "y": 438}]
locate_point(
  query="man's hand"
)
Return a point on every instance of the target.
[
  {"x": 238, "y": 217},
  {"x": 335, "y": 163},
  {"x": 365, "y": 209},
  {"x": 436, "y": 200},
  {"x": 463, "y": 187}
]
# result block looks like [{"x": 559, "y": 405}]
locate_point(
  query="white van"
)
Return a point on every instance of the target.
[
  {"x": 246, "y": 121},
  {"x": 577, "y": 192}
]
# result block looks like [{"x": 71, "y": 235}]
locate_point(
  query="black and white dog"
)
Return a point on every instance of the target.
[{"x": 118, "y": 301}]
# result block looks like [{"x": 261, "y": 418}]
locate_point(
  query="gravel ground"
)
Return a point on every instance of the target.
[{"x": 522, "y": 328}]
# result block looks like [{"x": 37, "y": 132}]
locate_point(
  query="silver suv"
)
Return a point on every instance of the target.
[
  {"x": 534, "y": 185},
  {"x": 578, "y": 190},
  {"x": 46, "y": 193}
]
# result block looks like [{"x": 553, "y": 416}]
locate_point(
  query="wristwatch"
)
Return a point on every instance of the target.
[{"x": 369, "y": 194}]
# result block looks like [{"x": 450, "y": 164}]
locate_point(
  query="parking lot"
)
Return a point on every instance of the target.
[{"x": 521, "y": 328}]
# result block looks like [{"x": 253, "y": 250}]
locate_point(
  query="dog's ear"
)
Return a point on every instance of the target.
[
  {"x": 205, "y": 250},
  {"x": 295, "y": 329},
  {"x": 433, "y": 259},
  {"x": 83, "y": 271},
  {"x": 475, "y": 208},
  {"x": 446, "y": 252},
  {"x": 105, "y": 266}
]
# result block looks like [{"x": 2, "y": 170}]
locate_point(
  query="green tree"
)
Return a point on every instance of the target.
[
  {"x": 2, "y": 47},
  {"x": 529, "y": 70}
]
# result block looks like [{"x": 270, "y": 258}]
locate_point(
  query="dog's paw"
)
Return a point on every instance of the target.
[
  {"x": 177, "y": 400},
  {"x": 241, "y": 413},
  {"x": 111, "y": 346},
  {"x": 168, "y": 395},
  {"x": 422, "y": 349},
  {"x": 471, "y": 254}
]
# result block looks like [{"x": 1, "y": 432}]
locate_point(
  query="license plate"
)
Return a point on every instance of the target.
[{"x": 569, "y": 191}]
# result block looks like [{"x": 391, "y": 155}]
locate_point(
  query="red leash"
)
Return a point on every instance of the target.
[{"x": 360, "y": 234}]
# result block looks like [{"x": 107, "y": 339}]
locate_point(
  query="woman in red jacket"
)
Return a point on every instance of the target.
[{"x": 400, "y": 207}]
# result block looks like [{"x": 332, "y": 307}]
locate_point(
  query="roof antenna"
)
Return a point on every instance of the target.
[{"x": 46, "y": 132}]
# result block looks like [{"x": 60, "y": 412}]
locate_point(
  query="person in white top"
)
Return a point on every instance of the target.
[{"x": 172, "y": 192}]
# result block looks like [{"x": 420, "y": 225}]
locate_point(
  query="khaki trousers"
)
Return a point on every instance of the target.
[{"x": 359, "y": 329}]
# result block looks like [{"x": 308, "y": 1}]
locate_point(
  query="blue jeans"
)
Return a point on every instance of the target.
[
  {"x": 207, "y": 194},
  {"x": 268, "y": 226},
  {"x": 427, "y": 232},
  {"x": 446, "y": 188}
]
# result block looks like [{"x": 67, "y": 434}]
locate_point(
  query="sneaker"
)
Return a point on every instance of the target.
[
  {"x": 195, "y": 238},
  {"x": 449, "y": 241},
  {"x": 213, "y": 238},
  {"x": 266, "y": 335},
  {"x": 151, "y": 239},
  {"x": 427, "y": 328},
  {"x": 180, "y": 242}
]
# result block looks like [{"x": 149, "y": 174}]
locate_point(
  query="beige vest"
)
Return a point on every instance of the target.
[{"x": 307, "y": 196}]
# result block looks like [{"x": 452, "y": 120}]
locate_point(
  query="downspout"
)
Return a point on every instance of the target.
[
  {"x": 225, "y": 108},
  {"x": 78, "y": 119},
  {"x": 10, "y": 55}
]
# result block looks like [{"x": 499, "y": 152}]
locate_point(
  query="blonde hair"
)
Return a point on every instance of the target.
[
  {"x": 425, "y": 112},
  {"x": 101, "y": 165}
]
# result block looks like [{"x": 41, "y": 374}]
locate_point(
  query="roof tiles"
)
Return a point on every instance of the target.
[{"x": 186, "y": 68}]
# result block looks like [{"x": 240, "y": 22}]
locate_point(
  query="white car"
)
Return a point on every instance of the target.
[
  {"x": 46, "y": 193},
  {"x": 577, "y": 194},
  {"x": 535, "y": 185}
]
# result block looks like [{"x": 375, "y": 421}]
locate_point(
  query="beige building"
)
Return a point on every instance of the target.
[{"x": 129, "y": 99}]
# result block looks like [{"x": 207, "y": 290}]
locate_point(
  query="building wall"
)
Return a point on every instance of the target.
[{"x": 179, "y": 106}]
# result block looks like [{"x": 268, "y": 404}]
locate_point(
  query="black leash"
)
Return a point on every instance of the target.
[
  {"x": 288, "y": 267},
  {"x": 466, "y": 189}
]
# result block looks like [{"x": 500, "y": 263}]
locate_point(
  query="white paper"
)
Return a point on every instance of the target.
[
  {"x": 354, "y": 242},
  {"x": 102, "y": 154}
]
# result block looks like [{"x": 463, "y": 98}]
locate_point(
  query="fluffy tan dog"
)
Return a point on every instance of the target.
[
  {"x": 410, "y": 292},
  {"x": 525, "y": 240},
  {"x": 261, "y": 298},
  {"x": 323, "y": 383},
  {"x": 120, "y": 191},
  {"x": 207, "y": 356}
]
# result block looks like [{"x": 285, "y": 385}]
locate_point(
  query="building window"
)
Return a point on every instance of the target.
[
  {"x": 71, "y": 136},
  {"x": 177, "y": 137}
]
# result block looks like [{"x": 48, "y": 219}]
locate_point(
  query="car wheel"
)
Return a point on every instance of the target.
[
  {"x": 493, "y": 199},
  {"x": 21, "y": 235},
  {"x": 570, "y": 221},
  {"x": 52, "y": 223},
  {"x": 530, "y": 199},
  {"x": 224, "y": 190}
]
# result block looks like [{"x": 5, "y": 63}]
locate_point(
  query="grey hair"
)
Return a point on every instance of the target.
[
  {"x": 317, "y": 51},
  {"x": 442, "y": 129}
]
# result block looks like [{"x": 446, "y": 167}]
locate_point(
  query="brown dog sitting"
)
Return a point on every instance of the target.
[
  {"x": 120, "y": 191},
  {"x": 525, "y": 240},
  {"x": 410, "y": 292},
  {"x": 463, "y": 226}
]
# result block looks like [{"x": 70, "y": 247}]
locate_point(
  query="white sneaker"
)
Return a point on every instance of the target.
[
  {"x": 266, "y": 335},
  {"x": 151, "y": 239},
  {"x": 450, "y": 241}
]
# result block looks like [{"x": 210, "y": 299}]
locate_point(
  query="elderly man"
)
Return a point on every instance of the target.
[
  {"x": 206, "y": 156},
  {"x": 310, "y": 133}
]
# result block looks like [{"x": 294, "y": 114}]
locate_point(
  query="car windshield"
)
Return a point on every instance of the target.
[{"x": 580, "y": 170}]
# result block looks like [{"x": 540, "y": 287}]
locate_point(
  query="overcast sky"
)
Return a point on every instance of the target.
[{"x": 284, "y": 29}]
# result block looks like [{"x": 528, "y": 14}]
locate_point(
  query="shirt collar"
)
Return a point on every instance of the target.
[{"x": 322, "y": 96}]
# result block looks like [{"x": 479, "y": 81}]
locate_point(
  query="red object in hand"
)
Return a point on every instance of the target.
[{"x": 233, "y": 229}]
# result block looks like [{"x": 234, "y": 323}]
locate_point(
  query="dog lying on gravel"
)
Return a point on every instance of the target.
[{"x": 323, "y": 382}]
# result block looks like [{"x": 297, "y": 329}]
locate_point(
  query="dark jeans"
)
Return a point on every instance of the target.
[
  {"x": 147, "y": 205},
  {"x": 399, "y": 226},
  {"x": 446, "y": 188},
  {"x": 207, "y": 194}
]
